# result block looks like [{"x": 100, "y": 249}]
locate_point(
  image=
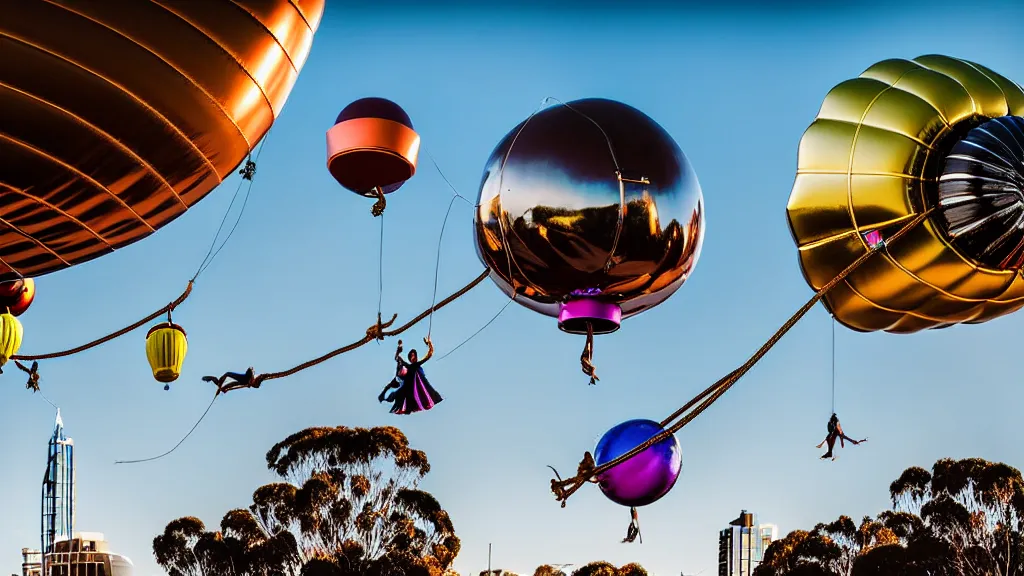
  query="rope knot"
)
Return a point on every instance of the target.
[
  {"x": 563, "y": 489},
  {"x": 249, "y": 170},
  {"x": 586, "y": 358},
  {"x": 378, "y": 207},
  {"x": 376, "y": 332},
  {"x": 33, "y": 375}
]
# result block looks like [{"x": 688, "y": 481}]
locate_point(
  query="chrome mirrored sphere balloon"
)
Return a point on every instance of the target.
[
  {"x": 590, "y": 213},
  {"x": 644, "y": 478}
]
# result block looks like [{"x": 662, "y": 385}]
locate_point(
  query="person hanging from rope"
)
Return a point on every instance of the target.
[
  {"x": 414, "y": 394},
  {"x": 396, "y": 382},
  {"x": 633, "y": 532},
  {"x": 835, "y": 431}
]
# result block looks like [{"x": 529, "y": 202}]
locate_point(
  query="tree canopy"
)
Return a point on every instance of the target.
[
  {"x": 599, "y": 568},
  {"x": 964, "y": 518},
  {"x": 347, "y": 504}
]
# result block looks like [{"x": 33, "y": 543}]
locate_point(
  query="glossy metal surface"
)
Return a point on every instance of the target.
[
  {"x": 981, "y": 194},
  {"x": 554, "y": 218},
  {"x": 118, "y": 116},
  {"x": 872, "y": 160},
  {"x": 17, "y": 295},
  {"x": 372, "y": 144},
  {"x": 603, "y": 317},
  {"x": 644, "y": 478}
]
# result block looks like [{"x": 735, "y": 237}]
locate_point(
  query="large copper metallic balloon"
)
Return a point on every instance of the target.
[
  {"x": 935, "y": 133},
  {"x": 116, "y": 117},
  {"x": 572, "y": 239}
]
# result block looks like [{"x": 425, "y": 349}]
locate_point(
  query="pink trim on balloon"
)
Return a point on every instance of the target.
[
  {"x": 873, "y": 238},
  {"x": 580, "y": 311}
]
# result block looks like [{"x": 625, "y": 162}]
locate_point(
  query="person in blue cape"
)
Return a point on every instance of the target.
[{"x": 414, "y": 392}]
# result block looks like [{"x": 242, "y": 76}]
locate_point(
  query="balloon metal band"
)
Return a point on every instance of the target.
[
  {"x": 375, "y": 136},
  {"x": 575, "y": 315}
]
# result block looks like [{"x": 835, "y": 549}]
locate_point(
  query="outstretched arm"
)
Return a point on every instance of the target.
[
  {"x": 430, "y": 349},
  {"x": 398, "y": 355}
]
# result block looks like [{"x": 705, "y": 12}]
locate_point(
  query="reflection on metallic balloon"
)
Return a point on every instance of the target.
[
  {"x": 17, "y": 295},
  {"x": 981, "y": 194},
  {"x": 644, "y": 478},
  {"x": 589, "y": 212},
  {"x": 935, "y": 133}
]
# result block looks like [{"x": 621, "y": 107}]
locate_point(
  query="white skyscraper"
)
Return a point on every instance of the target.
[
  {"x": 65, "y": 552},
  {"x": 58, "y": 488},
  {"x": 742, "y": 545}
]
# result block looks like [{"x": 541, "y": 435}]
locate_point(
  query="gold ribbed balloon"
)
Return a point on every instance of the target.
[
  {"x": 119, "y": 116},
  {"x": 872, "y": 160}
]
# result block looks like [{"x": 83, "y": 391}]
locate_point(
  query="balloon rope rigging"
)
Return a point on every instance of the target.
[
  {"x": 437, "y": 265},
  {"x": 440, "y": 238},
  {"x": 445, "y": 178},
  {"x": 481, "y": 329},
  {"x": 180, "y": 442},
  {"x": 587, "y": 469},
  {"x": 247, "y": 172},
  {"x": 833, "y": 364},
  {"x": 380, "y": 269},
  {"x": 163, "y": 310},
  {"x": 375, "y": 332}
]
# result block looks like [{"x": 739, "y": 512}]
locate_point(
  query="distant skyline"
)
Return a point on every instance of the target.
[{"x": 736, "y": 89}]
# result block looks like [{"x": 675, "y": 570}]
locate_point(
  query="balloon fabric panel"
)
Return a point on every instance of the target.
[{"x": 120, "y": 116}]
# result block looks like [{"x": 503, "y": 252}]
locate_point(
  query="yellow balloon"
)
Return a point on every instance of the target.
[
  {"x": 890, "y": 145},
  {"x": 166, "y": 347},
  {"x": 11, "y": 333}
]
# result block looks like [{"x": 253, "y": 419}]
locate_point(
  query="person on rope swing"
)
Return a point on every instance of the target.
[
  {"x": 633, "y": 532},
  {"x": 414, "y": 392},
  {"x": 835, "y": 431}
]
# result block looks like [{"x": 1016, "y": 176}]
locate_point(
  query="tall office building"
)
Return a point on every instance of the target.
[
  {"x": 742, "y": 545},
  {"x": 65, "y": 552},
  {"x": 58, "y": 514}
]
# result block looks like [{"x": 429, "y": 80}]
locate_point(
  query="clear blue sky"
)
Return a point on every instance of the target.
[{"x": 299, "y": 278}]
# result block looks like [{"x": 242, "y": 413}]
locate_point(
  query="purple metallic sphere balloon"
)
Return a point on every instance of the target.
[{"x": 644, "y": 478}]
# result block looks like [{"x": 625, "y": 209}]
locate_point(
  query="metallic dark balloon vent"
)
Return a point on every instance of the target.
[{"x": 981, "y": 194}]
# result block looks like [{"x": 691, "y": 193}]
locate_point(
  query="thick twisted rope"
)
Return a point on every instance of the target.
[
  {"x": 587, "y": 471},
  {"x": 378, "y": 331},
  {"x": 113, "y": 335}
]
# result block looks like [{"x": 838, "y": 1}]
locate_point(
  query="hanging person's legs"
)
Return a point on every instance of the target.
[
  {"x": 851, "y": 440},
  {"x": 831, "y": 445}
]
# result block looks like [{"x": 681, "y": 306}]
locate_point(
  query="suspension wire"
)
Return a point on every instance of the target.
[
  {"x": 481, "y": 329},
  {"x": 375, "y": 332},
  {"x": 833, "y": 364},
  {"x": 587, "y": 469},
  {"x": 48, "y": 401},
  {"x": 437, "y": 265},
  {"x": 180, "y": 442},
  {"x": 247, "y": 177},
  {"x": 380, "y": 268},
  {"x": 440, "y": 236},
  {"x": 445, "y": 178}
]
